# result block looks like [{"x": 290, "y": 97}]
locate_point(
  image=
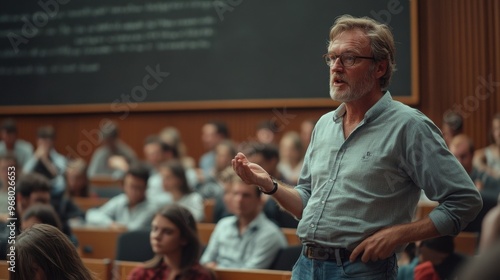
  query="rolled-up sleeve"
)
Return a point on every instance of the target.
[{"x": 435, "y": 170}]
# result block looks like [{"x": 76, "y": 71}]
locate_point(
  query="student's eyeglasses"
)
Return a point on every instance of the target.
[{"x": 346, "y": 59}]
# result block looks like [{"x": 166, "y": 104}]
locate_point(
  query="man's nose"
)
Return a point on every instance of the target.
[{"x": 336, "y": 65}]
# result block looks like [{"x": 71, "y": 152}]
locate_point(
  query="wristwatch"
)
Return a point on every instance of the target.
[{"x": 273, "y": 190}]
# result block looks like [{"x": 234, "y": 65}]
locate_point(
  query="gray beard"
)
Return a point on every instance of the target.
[{"x": 356, "y": 90}]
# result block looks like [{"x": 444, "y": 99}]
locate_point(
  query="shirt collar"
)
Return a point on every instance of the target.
[
  {"x": 371, "y": 114},
  {"x": 254, "y": 224}
]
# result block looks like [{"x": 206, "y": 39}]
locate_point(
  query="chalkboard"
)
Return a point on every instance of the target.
[{"x": 117, "y": 52}]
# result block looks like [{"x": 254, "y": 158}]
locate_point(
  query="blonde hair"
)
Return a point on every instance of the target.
[{"x": 381, "y": 40}]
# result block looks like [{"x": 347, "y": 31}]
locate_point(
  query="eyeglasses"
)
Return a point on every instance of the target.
[{"x": 346, "y": 59}]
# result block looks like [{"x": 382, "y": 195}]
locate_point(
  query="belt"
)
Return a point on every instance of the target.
[{"x": 326, "y": 253}]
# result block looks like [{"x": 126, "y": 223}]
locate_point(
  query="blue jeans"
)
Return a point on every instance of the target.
[{"x": 308, "y": 269}]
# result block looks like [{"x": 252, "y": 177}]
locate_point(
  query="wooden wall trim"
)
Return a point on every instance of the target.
[{"x": 183, "y": 106}]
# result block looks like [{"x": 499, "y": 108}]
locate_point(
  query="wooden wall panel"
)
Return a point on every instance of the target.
[
  {"x": 460, "y": 62},
  {"x": 76, "y": 134},
  {"x": 459, "y": 57}
]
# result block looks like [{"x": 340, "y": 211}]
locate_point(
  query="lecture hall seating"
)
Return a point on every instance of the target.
[
  {"x": 124, "y": 268},
  {"x": 97, "y": 243},
  {"x": 100, "y": 267},
  {"x": 86, "y": 203}
]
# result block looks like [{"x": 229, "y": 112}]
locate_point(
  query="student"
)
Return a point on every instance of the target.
[
  {"x": 291, "y": 155},
  {"x": 130, "y": 209},
  {"x": 176, "y": 189},
  {"x": 246, "y": 240},
  {"x": 265, "y": 132},
  {"x": 212, "y": 133},
  {"x": 488, "y": 159},
  {"x": 440, "y": 252},
  {"x": 34, "y": 188},
  {"x": 10, "y": 143},
  {"x": 225, "y": 151},
  {"x": 40, "y": 214},
  {"x": 157, "y": 152},
  {"x": 77, "y": 182},
  {"x": 172, "y": 137},
  {"x": 174, "y": 240},
  {"x": 44, "y": 252},
  {"x": 30, "y": 189},
  {"x": 453, "y": 125},
  {"x": 8, "y": 167},
  {"x": 47, "y": 161},
  {"x": 306, "y": 129},
  {"x": 113, "y": 153}
]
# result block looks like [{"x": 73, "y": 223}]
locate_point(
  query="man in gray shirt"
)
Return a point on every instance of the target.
[{"x": 365, "y": 167}]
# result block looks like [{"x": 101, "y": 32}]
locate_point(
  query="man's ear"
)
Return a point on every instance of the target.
[{"x": 381, "y": 68}]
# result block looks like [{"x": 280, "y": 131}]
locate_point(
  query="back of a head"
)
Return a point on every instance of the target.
[
  {"x": 9, "y": 126},
  {"x": 268, "y": 151},
  {"x": 45, "y": 250},
  {"x": 44, "y": 213},
  {"x": 32, "y": 182},
  {"x": 454, "y": 120}
]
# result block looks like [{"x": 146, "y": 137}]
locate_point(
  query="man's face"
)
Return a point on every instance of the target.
[
  {"x": 462, "y": 153},
  {"x": 209, "y": 136},
  {"x": 351, "y": 83},
  {"x": 265, "y": 135},
  {"x": 289, "y": 151},
  {"x": 8, "y": 137},
  {"x": 153, "y": 154},
  {"x": 246, "y": 203},
  {"x": 134, "y": 188},
  {"x": 223, "y": 157},
  {"x": 42, "y": 197},
  {"x": 75, "y": 179},
  {"x": 45, "y": 143}
]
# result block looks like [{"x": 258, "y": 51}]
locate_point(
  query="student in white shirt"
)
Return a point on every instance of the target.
[
  {"x": 177, "y": 190},
  {"x": 130, "y": 209}
]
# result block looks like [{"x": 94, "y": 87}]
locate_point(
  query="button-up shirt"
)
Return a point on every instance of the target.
[
  {"x": 255, "y": 248},
  {"x": 352, "y": 187}
]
